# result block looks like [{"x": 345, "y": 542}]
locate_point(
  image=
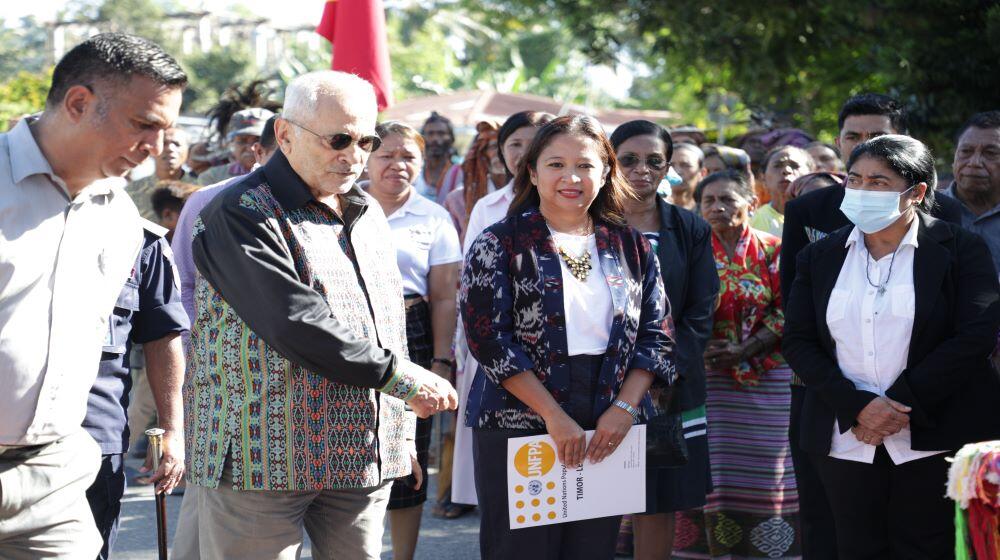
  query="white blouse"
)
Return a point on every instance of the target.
[
  {"x": 588, "y": 305},
  {"x": 488, "y": 210},
  {"x": 424, "y": 236},
  {"x": 871, "y": 331}
]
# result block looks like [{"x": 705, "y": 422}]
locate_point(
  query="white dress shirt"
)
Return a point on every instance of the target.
[
  {"x": 488, "y": 210},
  {"x": 424, "y": 236},
  {"x": 872, "y": 334},
  {"x": 63, "y": 263},
  {"x": 588, "y": 304}
]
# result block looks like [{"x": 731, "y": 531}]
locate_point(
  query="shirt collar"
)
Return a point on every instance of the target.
[
  {"x": 291, "y": 191},
  {"x": 504, "y": 195},
  {"x": 910, "y": 238},
  {"x": 27, "y": 159},
  {"x": 413, "y": 205}
]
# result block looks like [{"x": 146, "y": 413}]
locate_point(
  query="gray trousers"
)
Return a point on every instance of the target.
[
  {"x": 267, "y": 525},
  {"x": 44, "y": 511}
]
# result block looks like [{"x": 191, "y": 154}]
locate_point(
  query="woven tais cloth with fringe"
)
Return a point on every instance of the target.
[{"x": 973, "y": 482}]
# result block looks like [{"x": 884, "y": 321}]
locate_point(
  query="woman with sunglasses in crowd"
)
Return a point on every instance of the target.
[
  {"x": 589, "y": 361},
  {"x": 683, "y": 244}
]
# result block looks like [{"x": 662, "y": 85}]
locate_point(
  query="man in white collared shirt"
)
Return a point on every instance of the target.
[{"x": 69, "y": 235}]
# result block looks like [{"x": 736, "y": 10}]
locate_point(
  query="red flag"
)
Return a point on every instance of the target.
[{"x": 360, "y": 44}]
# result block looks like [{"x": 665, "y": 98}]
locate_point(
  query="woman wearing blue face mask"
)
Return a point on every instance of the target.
[{"x": 890, "y": 324}]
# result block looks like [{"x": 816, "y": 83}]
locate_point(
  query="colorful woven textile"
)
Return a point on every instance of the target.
[
  {"x": 753, "y": 511},
  {"x": 973, "y": 483}
]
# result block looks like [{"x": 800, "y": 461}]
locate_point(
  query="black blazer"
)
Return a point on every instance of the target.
[
  {"x": 948, "y": 379},
  {"x": 692, "y": 284},
  {"x": 817, "y": 214}
]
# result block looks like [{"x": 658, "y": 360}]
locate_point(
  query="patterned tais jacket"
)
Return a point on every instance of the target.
[
  {"x": 515, "y": 320},
  {"x": 297, "y": 354}
]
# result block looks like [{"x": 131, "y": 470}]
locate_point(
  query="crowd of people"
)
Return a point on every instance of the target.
[{"x": 299, "y": 302}]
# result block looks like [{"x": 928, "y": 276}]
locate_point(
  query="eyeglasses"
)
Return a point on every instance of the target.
[
  {"x": 342, "y": 140},
  {"x": 655, "y": 163}
]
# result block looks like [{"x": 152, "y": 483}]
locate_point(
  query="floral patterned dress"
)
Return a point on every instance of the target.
[{"x": 753, "y": 510}]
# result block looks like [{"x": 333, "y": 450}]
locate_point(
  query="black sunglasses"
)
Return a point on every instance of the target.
[
  {"x": 342, "y": 140},
  {"x": 655, "y": 163}
]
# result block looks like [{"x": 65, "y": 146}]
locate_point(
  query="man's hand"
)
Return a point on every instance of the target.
[
  {"x": 171, "y": 470},
  {"x": 884, "y": 416},
  {"x": 434, "y": 395}
]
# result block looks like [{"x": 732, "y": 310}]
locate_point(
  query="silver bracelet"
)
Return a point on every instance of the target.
[{"x": 627, "y": 408}]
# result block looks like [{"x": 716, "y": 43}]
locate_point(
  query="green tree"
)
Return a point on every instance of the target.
[
  {"x": 798, "y": 61},
  {"x": 24, "y": 93}
]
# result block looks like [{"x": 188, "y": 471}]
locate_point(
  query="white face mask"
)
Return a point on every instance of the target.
[{"x": 871, "y": 211}]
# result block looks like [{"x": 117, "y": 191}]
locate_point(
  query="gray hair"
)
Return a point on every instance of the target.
[
  {"x": 698, "y": 154},
  {"x": 302, "y": 95}
]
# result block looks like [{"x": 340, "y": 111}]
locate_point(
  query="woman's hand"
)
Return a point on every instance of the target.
[
  {"x": 612, "y": 427},
  {"x": 864, "y": 435},
  {"x": 418, "y": 473},
  {"x": 571, "y": 440},
  {"x": 722, "y": 354},
  {"x": 884, "y": 416}
]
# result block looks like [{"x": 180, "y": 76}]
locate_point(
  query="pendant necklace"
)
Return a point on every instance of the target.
[{"x": 880, "y": 287}]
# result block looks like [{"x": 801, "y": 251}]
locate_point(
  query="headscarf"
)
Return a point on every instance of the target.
[
  {"x": 476, "y": 167},
  {"x": 734, "y": 158}
]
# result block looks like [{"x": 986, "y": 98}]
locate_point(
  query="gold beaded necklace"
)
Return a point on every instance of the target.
[{"x": 581, "y": 266}]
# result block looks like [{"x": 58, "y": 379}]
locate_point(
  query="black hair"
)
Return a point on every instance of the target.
[
  {"x": 256, "y": 94},
  {"x": 907, "y": 157},
  {"x": 984, "y": 120},
  {"x": 170, "y": 195},
  {"x": 517, "y": 121},
  {"x": 632, "y": 129},
  {"x": 778, "y": 149},
  {"x": 609, "y": 206},
  {"x": 439, "y": 118},
  {"x": 728, "y": 175},
  {"x": 267, "y": 140},
  {"x": 874, "y": 104},
  {"x": 113, "y": 57},
  {"x": 831, "y": 147}
]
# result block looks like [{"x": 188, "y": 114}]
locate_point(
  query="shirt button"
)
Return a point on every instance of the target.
[
  {"x": 868, "y": 320},
  {"x": 870, "y": 292},
  {"x": 871, "y": 353}
]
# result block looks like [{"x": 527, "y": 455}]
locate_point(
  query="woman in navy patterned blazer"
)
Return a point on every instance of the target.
[{"x": 565, "y": 310}]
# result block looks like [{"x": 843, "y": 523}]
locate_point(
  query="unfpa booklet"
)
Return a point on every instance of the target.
[{"x": 543, "y": 491}]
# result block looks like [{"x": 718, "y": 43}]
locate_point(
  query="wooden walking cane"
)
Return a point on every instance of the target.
[{"x": 155, "y": 436}]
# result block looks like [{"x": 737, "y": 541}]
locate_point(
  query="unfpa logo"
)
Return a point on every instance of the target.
[{"x": 534, "y": 459}]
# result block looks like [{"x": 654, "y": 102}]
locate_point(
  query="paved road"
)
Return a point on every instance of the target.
[{"x": 440, "y": 539}]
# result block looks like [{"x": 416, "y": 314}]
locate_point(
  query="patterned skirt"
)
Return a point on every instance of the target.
[
  {"x": 753, "y": 510},
  {"x": 420, "y": 345}
]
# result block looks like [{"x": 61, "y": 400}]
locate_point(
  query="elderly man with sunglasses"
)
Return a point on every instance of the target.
[{"x": 299, "y": 397}]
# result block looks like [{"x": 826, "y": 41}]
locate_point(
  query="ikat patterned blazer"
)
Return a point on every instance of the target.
[{"x": 511, "y": 302}]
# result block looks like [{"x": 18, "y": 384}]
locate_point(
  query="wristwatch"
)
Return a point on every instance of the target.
[{"x": 627, "y": 408}]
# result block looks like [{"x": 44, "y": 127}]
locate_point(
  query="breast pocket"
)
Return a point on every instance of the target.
[
  {"x": 903, "y": 302},
  {"x": 120, "y": 323},
  {"x": 836, "y": 309}
]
